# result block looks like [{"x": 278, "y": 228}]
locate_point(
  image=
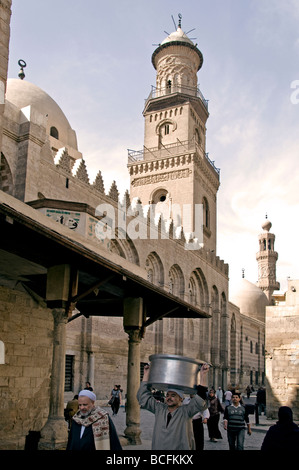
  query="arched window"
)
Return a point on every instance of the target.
[
  {"x": 206, "y": 213},
  {"x": 54, "y": 132},
  {"x": 154, "y": 268},
  {"x": 159, "y": 196},
  {"x": 176, "y": 281},
  {"x": 197, "y": 136}
]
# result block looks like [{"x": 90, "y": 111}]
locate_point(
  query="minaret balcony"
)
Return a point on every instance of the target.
[
  {"x": 174, "y": 89},
  {"x": 166, "y": 151}
]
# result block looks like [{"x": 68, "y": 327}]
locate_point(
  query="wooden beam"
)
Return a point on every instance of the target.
[
  {"x": 78, "y": 297},
  {"x": 151, "y": 320}
]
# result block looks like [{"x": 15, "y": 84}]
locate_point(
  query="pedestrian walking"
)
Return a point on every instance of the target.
[
  {"x": 284, "y": 435},
  {"x": 215, "y": 409},
  {"x": 115, "y": 399},
  {"x": 173, "y": 426},
  {"x": 235, "y": 421},
  {"x": 227, "y": 397},
  {"x": 261, "y": 400},
  {"x": 88, "y": 387},
  {"x": 220, "y": 394},
  {"x": 198, "y": 421}
]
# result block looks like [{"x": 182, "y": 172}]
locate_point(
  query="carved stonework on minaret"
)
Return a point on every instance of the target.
[{"x": 267, "y": 258}]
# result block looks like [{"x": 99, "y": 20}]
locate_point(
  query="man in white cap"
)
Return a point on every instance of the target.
[
  {"x": 173, "y": 422},
  {"x": 92, "y": 428}
]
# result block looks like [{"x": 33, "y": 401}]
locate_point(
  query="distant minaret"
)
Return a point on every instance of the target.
[{"x": 267, "y": 258}]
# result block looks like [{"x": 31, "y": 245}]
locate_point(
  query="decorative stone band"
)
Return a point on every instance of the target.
[{"x": 171, "y": 175}]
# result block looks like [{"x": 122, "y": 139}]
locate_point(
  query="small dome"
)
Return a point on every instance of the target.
[
  {"x": 22, "y": 93},
  {"x": 178, "y": 38},
  {"x": 266, "y": 226},
  {"x": 177, "y": 35},
  {"x": 251, "y": 300}
]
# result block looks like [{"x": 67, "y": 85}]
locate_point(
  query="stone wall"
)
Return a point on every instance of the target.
[
  {"x": 282, "y": 353},
  {"x": 104, "y": 339},
  {"x": 26, "y": 330}
]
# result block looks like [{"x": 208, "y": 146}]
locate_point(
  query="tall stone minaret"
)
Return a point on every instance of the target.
[
  {"x": 267, "y": 258},
  {"x": 173, "y": 166}
]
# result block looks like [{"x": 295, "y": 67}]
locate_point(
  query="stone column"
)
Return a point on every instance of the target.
[
  {"x": 54, "y": 434},
  {"x": 133, "y": 431},
  {"x": 133, "y": 325}
]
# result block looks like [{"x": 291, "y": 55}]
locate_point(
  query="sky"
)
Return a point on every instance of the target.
[{"x": 94, "y": 59}]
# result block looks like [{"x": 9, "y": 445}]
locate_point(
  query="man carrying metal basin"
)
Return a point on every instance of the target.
[{"x": 173, "y": 422}]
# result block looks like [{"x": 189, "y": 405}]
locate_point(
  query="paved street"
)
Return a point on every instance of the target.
[{"x": 252, "y": 442}]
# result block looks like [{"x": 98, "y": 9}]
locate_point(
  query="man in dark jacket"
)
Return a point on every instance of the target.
[
  {"x": 92, "y": 428},
  {"x": 284, "y": 435}
]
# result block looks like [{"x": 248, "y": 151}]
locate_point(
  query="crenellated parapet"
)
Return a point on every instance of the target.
[
  {"x": 127, "y": 216},
  {"x": 78, "y": 170}
]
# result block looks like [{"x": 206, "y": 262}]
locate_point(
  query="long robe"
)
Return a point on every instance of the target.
[{"x": 178, "y": 435}]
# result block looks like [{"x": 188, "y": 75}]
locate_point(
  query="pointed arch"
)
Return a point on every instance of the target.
[
  {"x": 198, "y": 290},
  {"x": 155, "y": 269},
  {"x": 176, "y": 281},
  {"x": 124, "y": 247}
]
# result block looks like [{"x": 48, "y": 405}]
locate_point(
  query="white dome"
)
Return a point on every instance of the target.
[
  {"x": 177, "y": 35},
  {"x": 251, "y": 300},
  {"x": 22, "y": 93}
]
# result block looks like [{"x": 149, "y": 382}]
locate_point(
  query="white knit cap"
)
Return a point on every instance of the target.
[
  {"x": 176, "y": 390},
  {"x": 89, "y": 394}
]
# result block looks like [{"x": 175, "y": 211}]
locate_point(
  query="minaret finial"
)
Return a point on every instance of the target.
[
  {"x": 21, "y": 73},
  {"x": 180, "y": 20},
  {"x": 243, "y": 273}
]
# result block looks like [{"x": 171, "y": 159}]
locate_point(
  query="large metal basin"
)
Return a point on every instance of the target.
[{"x": 169, "y": 370}]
